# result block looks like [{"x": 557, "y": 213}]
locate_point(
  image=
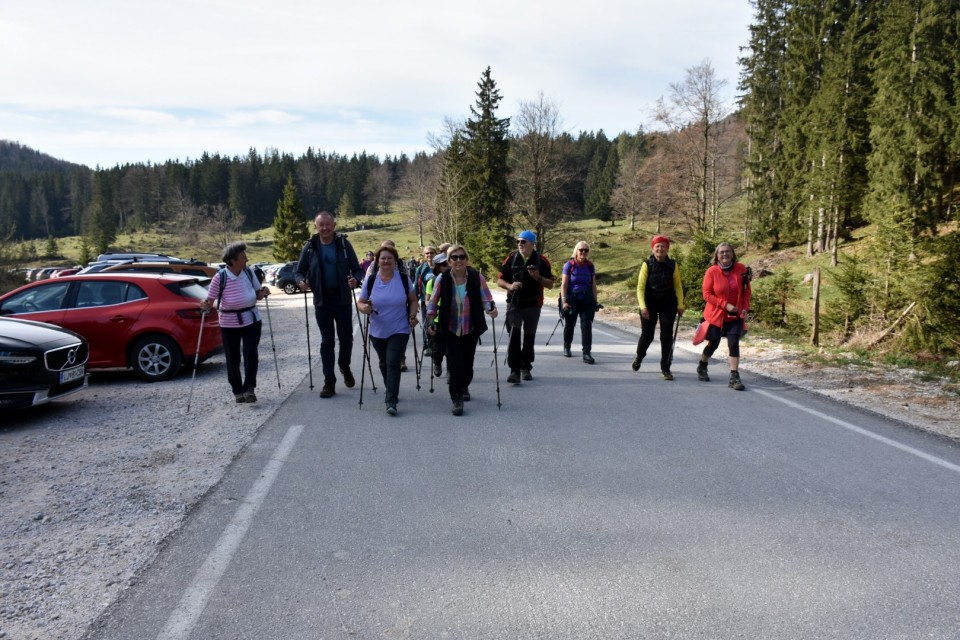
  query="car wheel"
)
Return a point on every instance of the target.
[
  {"x": 290, "y": 288},
  {"x": 156, "y": 358}
]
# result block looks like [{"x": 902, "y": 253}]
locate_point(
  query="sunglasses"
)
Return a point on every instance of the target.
[
  {"x": 521, "y": 242},
  {"x": 584, "y": 250},
  {"x": 457, "y": 257}
]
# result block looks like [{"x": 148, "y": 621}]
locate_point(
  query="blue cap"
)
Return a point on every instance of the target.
[{"x": 527, "y": 235}]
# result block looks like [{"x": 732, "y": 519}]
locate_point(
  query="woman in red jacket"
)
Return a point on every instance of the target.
[{"x": 726, "y": 291}]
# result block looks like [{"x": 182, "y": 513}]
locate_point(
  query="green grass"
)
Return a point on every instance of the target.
[{"x": 616, "y": 250}]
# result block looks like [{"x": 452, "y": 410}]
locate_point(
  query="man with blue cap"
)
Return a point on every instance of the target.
[{"x": 524, "y": 274}]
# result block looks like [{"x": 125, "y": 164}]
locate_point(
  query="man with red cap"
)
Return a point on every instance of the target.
[{"x": 660, "y": 296}]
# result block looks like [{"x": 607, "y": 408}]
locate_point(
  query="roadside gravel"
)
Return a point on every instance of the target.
[{"x": 92, "y": 485}]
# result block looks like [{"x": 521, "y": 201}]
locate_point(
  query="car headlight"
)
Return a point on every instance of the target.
[{"x": 8, "y": 357}]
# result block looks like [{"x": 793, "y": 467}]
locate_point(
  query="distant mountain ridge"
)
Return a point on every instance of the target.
[{"x": 17, "y": 158}]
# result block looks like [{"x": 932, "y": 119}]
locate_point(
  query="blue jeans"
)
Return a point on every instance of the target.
[
  {"x": 329, "y": 315},
  {"x": 390, "y": 352},
  {"x": 242, "y": 342}
]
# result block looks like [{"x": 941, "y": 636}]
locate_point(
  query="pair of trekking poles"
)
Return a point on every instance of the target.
[{"x": 273, "y": 345}]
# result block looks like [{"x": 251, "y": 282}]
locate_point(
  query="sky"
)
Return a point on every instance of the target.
[{"x": 107, "y": 82}]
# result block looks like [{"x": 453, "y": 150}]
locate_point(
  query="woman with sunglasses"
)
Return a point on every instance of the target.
[
  {"x": 726, "y": 292},
  {"x": 459, "y": 300},
  {"x": 578, "y": 299},
  {"x": 660, "y": 296}
]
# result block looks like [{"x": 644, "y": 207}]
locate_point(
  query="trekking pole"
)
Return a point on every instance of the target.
[
  {"x": 273, "y": 345},
  {"x": 674, "y": 344},
  {"x": 432, "y": 356},
  {"x": 306, "y": 313},
  {"x": 363, "y": 334},
  {"x": 496, "y": 367},
  {"x": 559, "y": 322},
  {"x": 363, "y": 369},
  {"x": 416, "y": 364},
  {"x": 196, "y": 358}
]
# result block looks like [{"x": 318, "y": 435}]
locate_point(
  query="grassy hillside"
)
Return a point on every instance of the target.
[{"x": 617, "y": 252}]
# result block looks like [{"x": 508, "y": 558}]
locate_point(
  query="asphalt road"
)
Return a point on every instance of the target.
[{"x": 595, "y": 503}]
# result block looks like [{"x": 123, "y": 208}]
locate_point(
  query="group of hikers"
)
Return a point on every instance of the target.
[{"x": 452, "y": 300}]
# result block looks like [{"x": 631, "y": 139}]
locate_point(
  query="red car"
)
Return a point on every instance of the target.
[{"x": 145, "y": 321}]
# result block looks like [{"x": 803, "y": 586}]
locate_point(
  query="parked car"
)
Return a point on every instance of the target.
[
  {"x": 286, "y": 278},
  {"x": 145, "y": 321},
  {"x": 114, "y": 259},
  {"x": 187, "y": 268},
  {"x": 39, "y": 362},
  {"x": 66, "y": 272}
]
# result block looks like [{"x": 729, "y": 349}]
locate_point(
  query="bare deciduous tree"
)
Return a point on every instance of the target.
[
  {"x": 695, "y": 112},
  {"x": 419, "y": 185},
  {"x": 539, "y": 174}
]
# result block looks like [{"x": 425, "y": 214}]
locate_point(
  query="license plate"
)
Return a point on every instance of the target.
[{"x": 69, "y": 375}]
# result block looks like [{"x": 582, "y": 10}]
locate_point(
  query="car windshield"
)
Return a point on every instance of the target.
[{"x": 47, "y": 297}]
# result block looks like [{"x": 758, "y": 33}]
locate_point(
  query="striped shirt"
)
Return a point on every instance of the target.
[{"x": 238, "y": 293}]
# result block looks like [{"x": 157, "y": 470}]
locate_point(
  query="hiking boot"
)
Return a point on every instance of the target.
[
  {"x": 437, "y": 369},
  {"x": 735, "y": 383},
  {"x": 635, "y": 365},
  {"x": 525, "y": 374},
  {"x": 328, "y": 390},
  {"x": 514, "y": 377},
  {"x": 403, "y": 364},
  {"x": 466, "y": 395},
  {"x": 250, "y": 396},
  {"x": 392, "y": 408},
  {"x": 702, "y": 372},
  {"x": 457, "y": 406},
  {"x": 427, "y": 352},
  {"x": 566, "y": 351},
  {"x": 240, "y": 397},
  {"x": 348, "y": 378},
  {"x": 666, "y": 375},
  {"x": 588, "y": 358}
]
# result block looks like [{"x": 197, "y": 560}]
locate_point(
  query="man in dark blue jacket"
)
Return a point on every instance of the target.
[{"x": 328, "y": 265}]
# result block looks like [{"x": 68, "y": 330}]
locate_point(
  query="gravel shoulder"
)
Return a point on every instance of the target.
[{"x": 91, "y": 486}]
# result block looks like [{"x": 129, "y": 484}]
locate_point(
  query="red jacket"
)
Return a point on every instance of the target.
[{"x": 716, "y": 293}]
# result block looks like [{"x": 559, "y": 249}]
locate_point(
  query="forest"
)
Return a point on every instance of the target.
[{"x": 847, "y": 118}]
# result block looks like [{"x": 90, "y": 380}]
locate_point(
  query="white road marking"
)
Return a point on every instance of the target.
[
  {"x": 852, "y": 427},
  {"x": 182, "y": 621}
]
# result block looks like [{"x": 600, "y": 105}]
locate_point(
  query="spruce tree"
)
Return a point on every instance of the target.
[
  {"x": 290, "y": 231},
  {"x": 486, "y": 148},
  {"x": 101, "y": 223}
]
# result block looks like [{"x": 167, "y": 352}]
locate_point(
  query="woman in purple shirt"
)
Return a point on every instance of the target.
[{"x": 387, "y": 297}]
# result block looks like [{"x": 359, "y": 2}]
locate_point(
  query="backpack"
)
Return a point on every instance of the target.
[{"x": 373, "y": 273}]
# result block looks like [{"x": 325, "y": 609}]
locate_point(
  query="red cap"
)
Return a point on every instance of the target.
[{"x": 658, "y": 239}]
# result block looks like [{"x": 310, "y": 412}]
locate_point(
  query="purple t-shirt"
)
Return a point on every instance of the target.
[
  {"x": 389, "y": 301},
  {"x": 580, "y": 277}
]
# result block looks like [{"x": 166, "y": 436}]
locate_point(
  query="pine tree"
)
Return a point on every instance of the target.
[
  {"x": 485, "y": 170},
  {"x": 101, "y": 223},
  {"x": 290, "y": 231},
  {"x": 912, "y": 116},
  {"x": 761, "y": 84}
]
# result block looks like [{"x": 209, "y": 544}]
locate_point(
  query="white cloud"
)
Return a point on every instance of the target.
[{"x": 250, "y": 73}]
